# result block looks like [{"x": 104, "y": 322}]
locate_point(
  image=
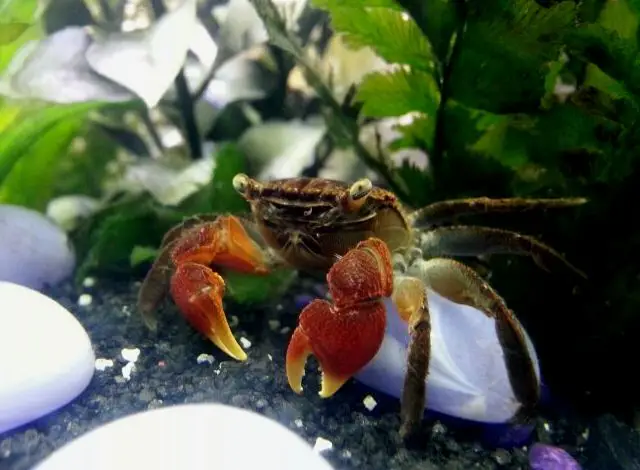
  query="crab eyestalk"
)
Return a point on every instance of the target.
[{"x": 344, "y": 335}]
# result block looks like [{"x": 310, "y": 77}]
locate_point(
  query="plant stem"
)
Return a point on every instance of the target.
[
  {"x": 436, "y": 157},
  {"x": 185, "y": 100}
]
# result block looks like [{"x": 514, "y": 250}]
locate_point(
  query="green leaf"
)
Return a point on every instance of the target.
[
  {"x": 385, "y": 94},
  {"x": 439, "y": 19},
  {"x": 32, "y": 179},
  {"x": 246, "y": 289},
  {"x": 328, "y": 4},
  {"x": 9, "y": 32},
  {"x": 391, "y": 33},
  {"x": 142, "y": 254},
  {"x": 28, "y": 128},
  {"x": 220, "y": 196},
  {"x": 106, "y": 241},
  {"x": 499, "y": 64},
  {"x": 20, "y": 24}
]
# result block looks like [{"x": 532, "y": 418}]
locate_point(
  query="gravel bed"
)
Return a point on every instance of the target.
[{"x": 177, "y": 366}]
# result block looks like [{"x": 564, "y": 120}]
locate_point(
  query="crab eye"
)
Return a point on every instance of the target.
[
  {"x": 360, "y": 189},
  {"x": 240, "y": 183}
]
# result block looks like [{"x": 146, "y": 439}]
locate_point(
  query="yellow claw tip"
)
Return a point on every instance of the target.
[
  {"x": 331, "y": 384},
  {"x": 229, "y": 347}
]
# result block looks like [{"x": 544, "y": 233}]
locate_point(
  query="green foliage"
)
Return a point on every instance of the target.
[
  {"x": 32, "y": 143},
  {"x": 18, "y": 25}
]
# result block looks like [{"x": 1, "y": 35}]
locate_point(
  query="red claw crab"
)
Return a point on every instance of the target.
[{"x": 377, "y": 255}]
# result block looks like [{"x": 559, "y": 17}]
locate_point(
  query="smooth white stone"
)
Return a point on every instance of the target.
[
  {"x": 189, "y": 437},
  {"x": 46, "y": 357},
  {"x": 34, "y": 250},
  {"x": 467, "y": 374}
]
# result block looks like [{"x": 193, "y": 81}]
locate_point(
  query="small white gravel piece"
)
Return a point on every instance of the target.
[
  {"x": 369, "y": 402},
  {"x": 322, "y": 444},
  {"x": 298, "y": 423},
  {"x": 84, "y": 300},
  {"x": 202, "y": 358},
  {"x": 89, "y": 282},
  {"x": 270, "y": 357},
  {"x": 102, "y": 363},
  {"x": 128, "y": 368},
  {"x": 245, "y": 342},
  {"x": 130, "y": 354}
]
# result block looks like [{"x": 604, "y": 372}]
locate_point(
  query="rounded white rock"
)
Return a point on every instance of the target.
[
  {"x": 194, "y": 437},
  {"x": 467, "y": 377},
  {"x": 34, "y": 250},
  {"x": 46, "y": 356}
]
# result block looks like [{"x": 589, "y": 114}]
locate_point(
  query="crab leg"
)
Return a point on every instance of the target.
[
  {"x": 443, "y": 211},
  {"x": 462, "y": 285},
  {"x": 195, "y": 287},
  {"x": 466, "y": 240},
  {"x": 410, "y": 298},
  {"x": 346, "y": 334}
]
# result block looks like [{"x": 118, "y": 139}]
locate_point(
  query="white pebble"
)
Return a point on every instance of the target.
[
  {"x": 322, "y": 444},
  {"x": 202, "y": 358},
  {"x": 130, "y": 355},
  {"x": 270, "y": 357},
  {"x": 84, "y": 300},
  {"x": 233, "y": 321},
  {"x": 127, "y": 369},
  {"x": 285, "y": 330},
  {"x": 369, "y": 402},
  {"x": 89, "y": 282},
  {"x": 346, "y": 454},
  {"x": 248, "y": 440},
  {"x": 102, "y": 363},
  {"x": 34, "y": 251},
  {"x": 298, "y": 423},
  {"x": 245, "y": 342},
  {"x": 36, "y": 381},
  {"x": 274, "y": 325}
]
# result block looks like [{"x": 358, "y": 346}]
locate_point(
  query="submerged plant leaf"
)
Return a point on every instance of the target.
[
  {"x": 146, "y": 62},
  {"x": 391, "y": 33},
  {"x": 31, "y": 182},
  {"x": 26, "y": 130},
  {"x": 9, "y": 32}
]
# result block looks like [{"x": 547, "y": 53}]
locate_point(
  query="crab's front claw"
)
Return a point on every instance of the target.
[
  {"x": 198, "y": 292},
  {"x": 346, "y": 335}
]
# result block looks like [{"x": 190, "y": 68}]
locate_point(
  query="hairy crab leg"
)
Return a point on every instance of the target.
[
  {"x": 195, "y": 287},
  {"x": 467, "y": 240},
  {"x": 346, "y": 334},
  {"x": 443, "y": 211},
  {"x": 410, "y": 298},
  {"x": 460, "y": 284}
]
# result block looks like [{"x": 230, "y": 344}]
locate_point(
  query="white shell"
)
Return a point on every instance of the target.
[
  {"x": 34, "y": 251},
  {"x": 46, "y": 357},
  {"x": 467, "y": 374},
  {"x": 193, "y": 437}
]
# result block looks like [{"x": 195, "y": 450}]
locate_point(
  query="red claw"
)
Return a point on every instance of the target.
[{"x": 346, "y": 335}]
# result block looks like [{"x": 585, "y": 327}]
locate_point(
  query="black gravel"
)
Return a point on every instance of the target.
[{"x": 167, "y": 373}]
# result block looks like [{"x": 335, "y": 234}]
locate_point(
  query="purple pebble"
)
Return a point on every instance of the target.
[{"x": 546, "y": 457}]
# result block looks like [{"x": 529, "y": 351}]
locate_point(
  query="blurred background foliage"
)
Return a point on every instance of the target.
[{"x": 119, "y": 118}]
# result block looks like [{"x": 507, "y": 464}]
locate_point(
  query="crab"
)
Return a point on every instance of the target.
[{"x": 362, "y": 238}]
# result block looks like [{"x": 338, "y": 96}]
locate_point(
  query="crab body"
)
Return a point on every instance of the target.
[{"x": 404, "y": 315}]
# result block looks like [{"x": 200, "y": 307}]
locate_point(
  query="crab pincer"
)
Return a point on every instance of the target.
[
  {"x": 196, "y": 288},
  {"x": 346, "y": 334}
]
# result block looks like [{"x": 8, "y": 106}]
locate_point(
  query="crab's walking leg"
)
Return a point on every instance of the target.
[
  {"x": 462, "y": 285},
  {"x": 346, "y": 334},
  {"x": 410, "y": 298},
  {"x": 195, "y": 287},
  {"x": 466, "y": 240},
  {"x": 444, "y": 211}
]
